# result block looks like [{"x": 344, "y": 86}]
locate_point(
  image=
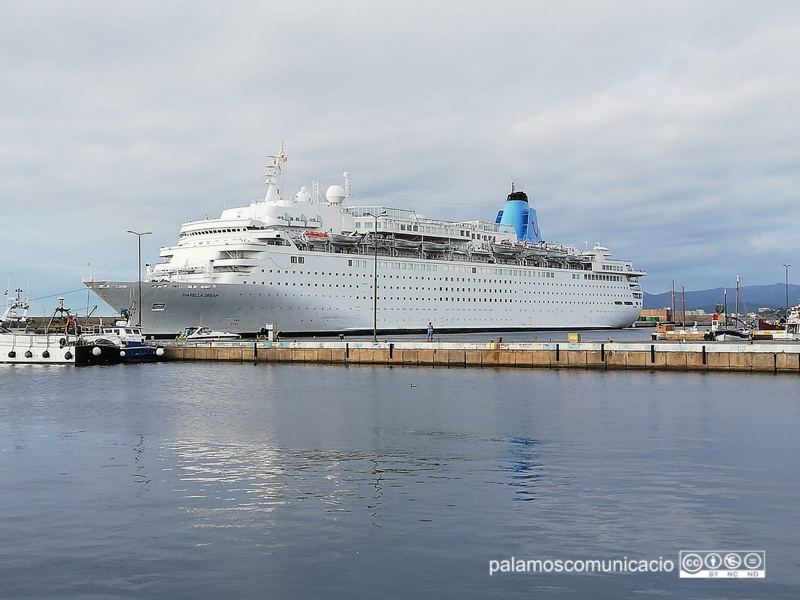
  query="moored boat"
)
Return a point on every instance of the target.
[
  {"x": 204, "y": 334},
  {"x": 128, "y": 338},
  {"x": 790, "y": 331},
  {"x": 59, "y": 342}
]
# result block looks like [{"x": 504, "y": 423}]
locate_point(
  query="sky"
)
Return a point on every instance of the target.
[{"x": 668, "y": 131}]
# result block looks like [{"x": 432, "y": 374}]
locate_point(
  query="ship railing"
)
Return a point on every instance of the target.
[{"x": 385, "y": 249}]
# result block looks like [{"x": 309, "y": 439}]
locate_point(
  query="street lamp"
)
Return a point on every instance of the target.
[
  {"x": 375, "y": 278},
  {"x": 787, "y": 288},
  {"x": 139, "y": 311}
]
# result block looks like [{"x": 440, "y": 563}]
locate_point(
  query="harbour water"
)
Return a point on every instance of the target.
[{"x": 204, "y": 480}]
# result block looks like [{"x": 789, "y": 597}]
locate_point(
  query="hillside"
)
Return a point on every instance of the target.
[{"x": 751, "y": 297}]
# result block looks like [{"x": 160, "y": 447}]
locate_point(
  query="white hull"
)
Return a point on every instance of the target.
[
  {"x": 262, "y": 264},
  {"x": 328, "y": 293},
  {"x": 21, "y": 348}
]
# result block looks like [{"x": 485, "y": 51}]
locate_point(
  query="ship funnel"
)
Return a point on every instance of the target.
[{"x": 518, "y": 213}]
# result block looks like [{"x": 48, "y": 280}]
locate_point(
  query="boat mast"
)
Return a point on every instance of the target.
[
  {"x": 736, "y": 309},
  {"x": 683, "y": 318},
  {"x": 673, "y": 300},
  {"x": 725, "y": 304}
]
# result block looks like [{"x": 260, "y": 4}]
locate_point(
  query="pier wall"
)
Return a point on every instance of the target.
[{"x": 669, "y": 356}]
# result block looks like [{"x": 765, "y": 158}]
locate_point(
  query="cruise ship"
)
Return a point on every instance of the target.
[{"x": 314, "y": 265}]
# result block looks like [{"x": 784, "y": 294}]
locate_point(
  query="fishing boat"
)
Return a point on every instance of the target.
[
  {"x": 790, "y": 331},
  {"x": 59, "y": 342},
  {"x": 129, "y": 338}
]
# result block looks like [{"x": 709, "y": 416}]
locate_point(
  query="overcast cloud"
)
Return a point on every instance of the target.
[{"x": 667, "y": 131}]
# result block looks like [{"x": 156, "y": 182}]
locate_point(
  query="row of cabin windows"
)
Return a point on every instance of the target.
[
  {"x": 413, "y": 228},
  {"x": 454, "y": 299},
  {"x": 495, "y": 271},
  {"x": 470, "y": 279},
  {"x": 227, "y": 230},
  {"x": 445, "y": 289},
  {"x": 594, "y": 277},
  {"x": 612, "y": 268}
]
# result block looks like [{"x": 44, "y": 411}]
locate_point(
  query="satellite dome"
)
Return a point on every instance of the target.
[
  {"x": 335, "y": 194},
  {"x": 303, "y": 195}
]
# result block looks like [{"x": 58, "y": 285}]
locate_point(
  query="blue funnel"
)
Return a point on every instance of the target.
[{"x": 521, "y": 216}]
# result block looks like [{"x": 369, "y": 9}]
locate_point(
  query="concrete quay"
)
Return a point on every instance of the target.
[{"x": 767, "y": 357}]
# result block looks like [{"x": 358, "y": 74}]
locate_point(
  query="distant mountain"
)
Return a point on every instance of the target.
[{"x": 751, "y": 297}]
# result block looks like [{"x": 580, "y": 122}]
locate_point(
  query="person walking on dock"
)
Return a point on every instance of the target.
[{"x": 430, "y": 331}]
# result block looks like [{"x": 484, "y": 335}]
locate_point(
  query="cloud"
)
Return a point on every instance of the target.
[{"x": 665, "y": 131}]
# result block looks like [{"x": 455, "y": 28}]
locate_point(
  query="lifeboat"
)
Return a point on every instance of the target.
[
  {"x": 506, "y": 249},
  {"x": 434, "y": 247},
  {"x": 406, "y": 244},
  {"x": 315, "y": 237},
  {"x": 343, "y": 239}
]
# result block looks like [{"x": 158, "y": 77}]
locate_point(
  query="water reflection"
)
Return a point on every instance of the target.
[
  {"x": 243, "y": 485},
  {"x": 522, "y": 467},
  {"x": 191, "y": 470}
]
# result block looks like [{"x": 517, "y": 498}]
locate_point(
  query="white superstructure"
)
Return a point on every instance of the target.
[{"x": 308, "y": 265}]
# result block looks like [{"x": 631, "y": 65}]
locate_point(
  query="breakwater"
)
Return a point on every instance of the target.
[{"x": 672, "y": 356}]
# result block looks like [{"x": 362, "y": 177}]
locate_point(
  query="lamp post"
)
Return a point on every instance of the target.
[
  {"x": 375, "y": 278},
  {"x": 787, "y": 288},
  {"x": 139, "y": 307}
]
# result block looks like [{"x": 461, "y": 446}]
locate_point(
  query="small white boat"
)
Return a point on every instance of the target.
[
  {"x": 344, "y": 239},
  {"x": 435, "y": 247},
  {"x": 534, "y": 251},
  {"x": 198, "y": 334},
  {"x": 406, "y": 244},
  {"x": 507, "y": 249},
  {"x": 557, "y": 253},
  {"x": 721, "y": 332},
  {"x": 731, "y": 335}
]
